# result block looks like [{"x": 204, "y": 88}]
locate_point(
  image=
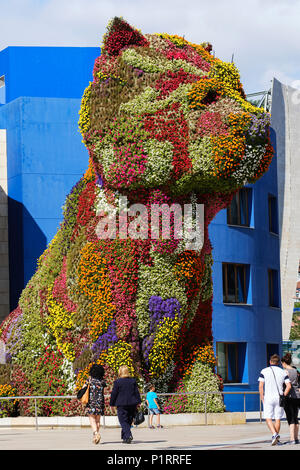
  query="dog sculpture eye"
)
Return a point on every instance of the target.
[{"x": 168, "y": 128}]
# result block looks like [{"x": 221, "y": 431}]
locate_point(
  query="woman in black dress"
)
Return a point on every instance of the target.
[
  {"x": 125, "y": 396},
  {"x": 95, "y": 406}
]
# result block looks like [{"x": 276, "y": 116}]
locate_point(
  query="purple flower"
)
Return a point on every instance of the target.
[
  {"x": 147, "y": 346},
  {"x": 259, "y": 126},
  {"x": 139, "y": 72},
  {"x": 105, "y": 340},
  {"x": 99, "y": 181},
  {"x": 159, "y": 309}
]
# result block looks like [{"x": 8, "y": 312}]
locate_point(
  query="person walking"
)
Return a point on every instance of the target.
[
  {"x": 153, "y": 406},
  {"x": 271, "y": 380},
  {"x": 292, "y": 401},
  {"x": 125, "y": 396},
  {"x": 95, "y": 406}
]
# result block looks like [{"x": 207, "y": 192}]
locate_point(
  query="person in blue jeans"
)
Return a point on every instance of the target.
[{"x": 153, "y": 406}]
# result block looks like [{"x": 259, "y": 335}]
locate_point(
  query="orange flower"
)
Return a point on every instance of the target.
[
  {"x": 94, "y": 283},
  {"x": 189, "y": 269}
]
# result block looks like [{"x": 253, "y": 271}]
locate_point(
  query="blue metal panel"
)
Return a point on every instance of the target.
[
  {"x": 45, "y": 159},
  {"x": 47, "y": 71},
  {"x": 44, "y": 86}
]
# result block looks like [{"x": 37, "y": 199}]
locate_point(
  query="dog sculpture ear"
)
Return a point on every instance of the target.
[{"x": 121, "y": 35}]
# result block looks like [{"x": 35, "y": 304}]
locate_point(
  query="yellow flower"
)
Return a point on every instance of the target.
[
  {"x": 120, "y": 354},
  {"x": 84, "y": 112},
  {"x": 59, "y": 322}
]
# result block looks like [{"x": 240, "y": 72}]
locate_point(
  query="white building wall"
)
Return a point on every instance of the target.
[
  {"x": 4, "y": 266},
  {"x": 285, "y": 120}
]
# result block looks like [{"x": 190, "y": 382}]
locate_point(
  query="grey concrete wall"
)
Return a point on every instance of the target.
[
  {"x": 4, "y": 266},
  {"x": 285, "y": 120}
]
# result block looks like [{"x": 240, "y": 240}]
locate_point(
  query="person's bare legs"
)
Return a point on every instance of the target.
[
  {"x": 294, "y": 432},
  {"x": 150, "y": 419},
  {"x": 92, "y": 419},
  {"x": 95, "y": 425},
  {"x": 98, "y": 423},
  {"x": 277, "y": 425},
  {"x": 274, "y": 427}
]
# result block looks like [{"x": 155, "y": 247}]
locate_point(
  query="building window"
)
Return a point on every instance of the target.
[
  {"x": 239, "y": 211},
  {"x": 2, "y": 90},
  {"x": 231, "y": 361},
  {"x": 273, "y": 217},
  {"x": 273, "y": 288},
  {"x": 235, "y": 283},
  {"x": 271, "y": 349}
]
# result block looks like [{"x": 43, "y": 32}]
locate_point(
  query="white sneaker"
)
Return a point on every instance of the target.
[{"x": 275, "y": 439}]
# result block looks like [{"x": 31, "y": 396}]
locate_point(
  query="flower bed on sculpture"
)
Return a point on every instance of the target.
[{"x": 165, "y": 122}]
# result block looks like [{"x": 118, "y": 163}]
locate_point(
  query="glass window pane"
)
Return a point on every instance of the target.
[
  {"x": 244, "y": 207},
  {"x": 232, "y": 372},
  {"x": 231, "y": 283},
  {"x": 224, "y": 274},
  {"x": 234, "y": 216},
  {"x": 240, "y": 284},
  {"x": 221, "y": 355},
  {"x": 271, "y": 349},
  {"x": 235, "y": 283}
]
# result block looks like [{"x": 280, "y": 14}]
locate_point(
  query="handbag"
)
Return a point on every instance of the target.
[
  {"x": 281, "y": 397},
  {"x": 139, "y": 418},
  {"x": 84, "y": 394}
]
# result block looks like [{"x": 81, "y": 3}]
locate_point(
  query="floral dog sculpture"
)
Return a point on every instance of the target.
[{"x": 166, "y": 124}]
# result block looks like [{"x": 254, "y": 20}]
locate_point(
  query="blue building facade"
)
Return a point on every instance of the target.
[
  {"x": 39, "y": 102},
  {"x": 247, "y": 330},
  {"x": 41, "y": 95},
  {"x": 52, "y": 72}
]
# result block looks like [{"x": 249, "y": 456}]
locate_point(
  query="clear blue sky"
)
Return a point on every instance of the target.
[{"x": 263, "y": 35}]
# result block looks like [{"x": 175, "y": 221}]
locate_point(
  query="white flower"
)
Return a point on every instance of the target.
[
  {"x": 159, "y": 162},
  {"x": 249, "y": 165}
]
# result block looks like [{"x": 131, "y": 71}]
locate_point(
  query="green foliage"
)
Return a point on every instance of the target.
[
  {"x": 206, "y": 283},
  {"x": 202, "y": 379},
  {"x": 295, "y": 329},
  {"x": 157, "y": 280}
]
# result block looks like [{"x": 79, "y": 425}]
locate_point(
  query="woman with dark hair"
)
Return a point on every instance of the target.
[
  {"x": 292, "y": 401},
  {"x": 95, "y": 405}
]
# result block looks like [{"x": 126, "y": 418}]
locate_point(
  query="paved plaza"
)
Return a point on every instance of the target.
[{"x": 249, "y": 436}]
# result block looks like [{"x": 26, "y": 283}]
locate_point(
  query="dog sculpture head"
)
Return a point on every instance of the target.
[{"x": 165, "y": 113}]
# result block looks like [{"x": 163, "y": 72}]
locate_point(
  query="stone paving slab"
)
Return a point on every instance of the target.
[{"x": 249, "y": 436}]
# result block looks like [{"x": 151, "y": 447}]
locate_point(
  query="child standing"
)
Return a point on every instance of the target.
[{"x": 153, "y": 406}]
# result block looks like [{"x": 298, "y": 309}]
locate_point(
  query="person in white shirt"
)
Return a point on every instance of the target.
[{"x": 271, "y": 380}]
